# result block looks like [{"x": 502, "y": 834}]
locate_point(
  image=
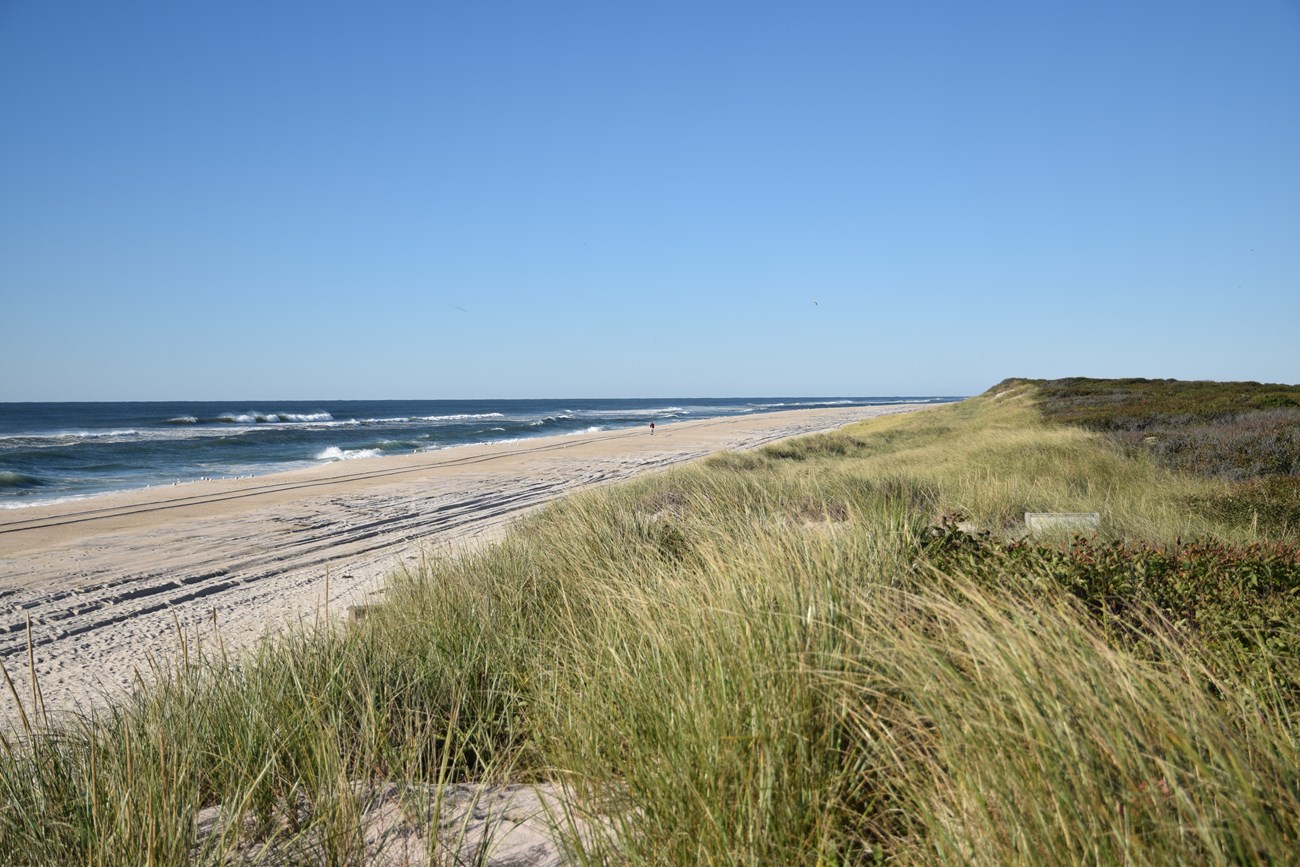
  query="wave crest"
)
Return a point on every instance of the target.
[
  {"x": 462, "y": 416},
  {"x": 334, "y": 453},
  {"x": 17, "y": 481},
  {"x": 806, "y": 404},
  {"x": 40, "y": 440},
  {"x": 649, "y": 412},
  {"x": 255, "y": 417},
  {"x": 550, "y": 419}
]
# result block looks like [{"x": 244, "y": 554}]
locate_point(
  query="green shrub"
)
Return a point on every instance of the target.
[{"x": 1240, "y": 603}]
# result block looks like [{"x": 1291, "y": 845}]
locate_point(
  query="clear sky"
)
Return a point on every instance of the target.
[{"x": 317, "y": 200}]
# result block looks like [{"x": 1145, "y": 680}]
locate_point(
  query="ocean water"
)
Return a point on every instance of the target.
[{"x": 58, "y": 451}]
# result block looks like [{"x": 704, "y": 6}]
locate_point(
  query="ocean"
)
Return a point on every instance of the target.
[{"x": 60, "y": 451}]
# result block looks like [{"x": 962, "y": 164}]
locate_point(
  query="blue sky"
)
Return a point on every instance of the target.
[{"x": 253, "y": 200}]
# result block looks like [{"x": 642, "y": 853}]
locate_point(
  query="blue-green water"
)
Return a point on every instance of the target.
[{"x": 53, "y": 451}]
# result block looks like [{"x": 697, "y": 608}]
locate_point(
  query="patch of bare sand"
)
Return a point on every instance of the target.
[{"x": 412, "y": 826}]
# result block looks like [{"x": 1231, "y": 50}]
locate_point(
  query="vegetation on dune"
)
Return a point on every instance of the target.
[
  {"x": 1239, "y": 603},
  {"x": 834, "y": 650},
  {"x": 1126, "y": 404},
  {"x": 1244, "y": 432}
]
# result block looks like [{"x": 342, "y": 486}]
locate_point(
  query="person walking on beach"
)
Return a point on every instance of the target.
[{"x": 652, "y": 428}]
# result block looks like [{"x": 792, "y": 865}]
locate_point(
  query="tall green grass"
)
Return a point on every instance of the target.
[
  {"x": 752, "y": 660},
  {"x": 1015, "y": 734}
]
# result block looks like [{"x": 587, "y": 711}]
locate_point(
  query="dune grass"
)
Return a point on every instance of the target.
[{"x": 786, "y": 656}]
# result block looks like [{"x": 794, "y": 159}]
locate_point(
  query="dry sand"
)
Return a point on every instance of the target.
[
  {"x": 106, "y": 582},
  {"x": 412, "y": 826}
]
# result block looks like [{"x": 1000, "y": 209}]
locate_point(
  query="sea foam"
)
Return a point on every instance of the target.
[
  {"x": 462, "y": 416},
  {"x": 272, "y": 417},
  {"x": 334, "y": 453}
]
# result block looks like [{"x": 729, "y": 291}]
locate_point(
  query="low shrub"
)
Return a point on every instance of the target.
[
  {"x": 1269, "y": 506},
  {"x": 1241, "y": 603}
]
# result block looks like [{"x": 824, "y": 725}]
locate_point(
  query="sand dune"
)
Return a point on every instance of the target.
[{"x": 108, "y": 581}]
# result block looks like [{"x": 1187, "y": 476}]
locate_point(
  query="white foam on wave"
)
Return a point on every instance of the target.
[
  {"x": 255, "y": 417},
  {"x": 173, "y": 433},
  {"x": 334, "y": 453},
  {"x": 461, "y": 416},
  {"x": 808, "y": 403},
  {"x": 50, "y": 501},
  {"x": 68, "y": 437},
  {"x": 103, "y": 434},
  {"x": 591, "y": 430},
  {"x": 653, "y": 412},
  {"x": 550, "y": 418},
  {"x": 404, "y": 419}
]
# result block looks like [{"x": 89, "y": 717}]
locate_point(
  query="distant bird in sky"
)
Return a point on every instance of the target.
[{"x": 461, "y": 309}]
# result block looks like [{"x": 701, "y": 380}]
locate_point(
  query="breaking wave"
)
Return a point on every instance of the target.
[
  {"x": 655, "y": 412},
  {"x": 550, "y": 419},
  {"x": 273, "y": 417},
  {"x": 16, "y": 481},
  {"x": 806, "y": 404},
  {"x": 462, "y": 416},
  {"x": 334, "y": 453},
  {"x": 66, "y": 438},
  {"x": 42, "y": 501}
]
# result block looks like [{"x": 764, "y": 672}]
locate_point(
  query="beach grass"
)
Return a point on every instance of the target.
[{"x": 838, "y": 649}]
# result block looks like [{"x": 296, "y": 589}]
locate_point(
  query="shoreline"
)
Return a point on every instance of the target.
[
  {"x": 108, "y": 582},
  {"x": 61, "y": 453}
]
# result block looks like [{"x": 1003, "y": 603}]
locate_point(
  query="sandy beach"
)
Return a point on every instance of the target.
[{"x": 106, "y": 582}]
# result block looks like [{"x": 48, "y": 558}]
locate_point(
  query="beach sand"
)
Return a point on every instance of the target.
[{"x": 107, "y": 582}]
